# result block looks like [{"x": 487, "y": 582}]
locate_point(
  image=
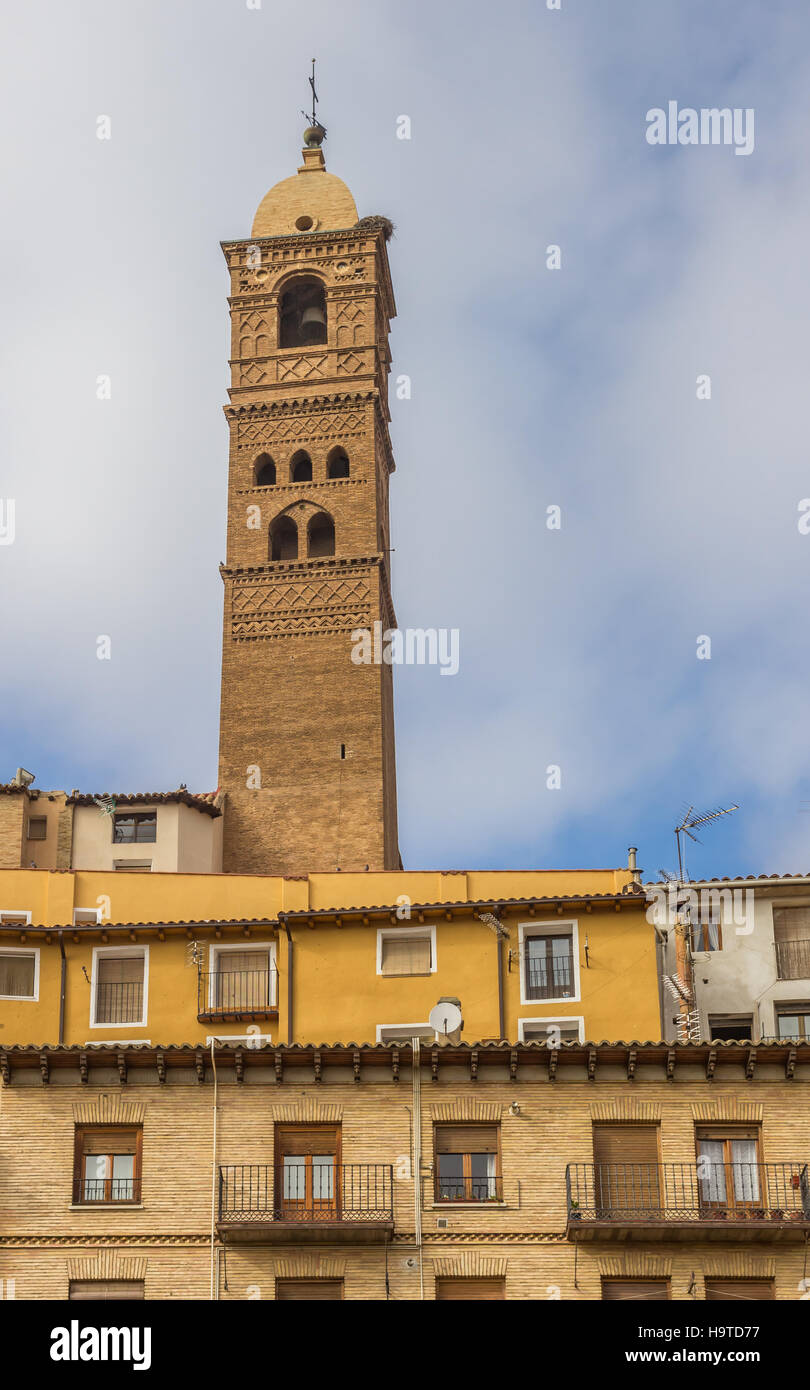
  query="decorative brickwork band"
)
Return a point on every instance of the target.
[
  {"x": 109, "y": 1110},
  {"x": 106, "y": 1264},
  {"x": 310, "y": 1267},
  {"x": 739, "y": 1264},
  {"x": 305, "y": 1112},
  {"x": 466, "y": 1110},
  {"x": 747, "y": 1112},
  {"x": 469, "y": 1265},
  {"x": 636, "y": 1266},
  {"x": 627, "y": 1111}
]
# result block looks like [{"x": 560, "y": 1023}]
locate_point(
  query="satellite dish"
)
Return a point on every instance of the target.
[{"x": 445, "y": 1017}]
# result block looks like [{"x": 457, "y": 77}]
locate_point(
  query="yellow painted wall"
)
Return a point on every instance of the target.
[{"x": 338, "y": 995}]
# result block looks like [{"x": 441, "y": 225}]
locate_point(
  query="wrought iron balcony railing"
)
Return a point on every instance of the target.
[
  {"x": 110, "y": 1190},
  {"x": 237, "y": 993},
  {"x": 309, "y": 1193},
  {"x": 793, "y": 960},
  {"x": 121, "y": 1002},
  {"x": 480, "y": 1189},
  {"x": 624, "y": 1193},
  {"x": 549, "y": 978}
]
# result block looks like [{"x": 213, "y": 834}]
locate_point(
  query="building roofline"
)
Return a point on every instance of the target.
[
  {"x": 635, "y": 898},
  {"x": 90, "y": 928}
]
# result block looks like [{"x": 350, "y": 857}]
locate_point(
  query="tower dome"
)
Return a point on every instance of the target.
[{"x": 311, "y": 201}]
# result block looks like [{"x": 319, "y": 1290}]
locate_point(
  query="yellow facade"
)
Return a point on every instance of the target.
[{"x": 334, "y": 923}]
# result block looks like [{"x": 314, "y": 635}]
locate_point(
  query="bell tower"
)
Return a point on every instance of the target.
[{"x": 306, "y": 754}]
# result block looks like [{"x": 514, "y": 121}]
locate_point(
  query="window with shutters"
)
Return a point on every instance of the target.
[
  {"x": 406, "y": 951},
  {"x": 242, "y": 979},
  {"x": 551, "y": 1030},
  {"x": 308, "y": 1173},
  {"x": 635, "y": 1290},
  {"x": 730, "y": 1174},
  {"x": 19, "y": 973},
  {"x": 738, "y": 1290},
  {"x": 106, "y": 1290},
  {"x": 119, "y": 986},
  {"x": 309, "y": 1289},
  {"x": 791, "y": 934},
  {"x": 107, "y": 1165},
  {"x": 467, "y": 1162},
  {"x": 38, "y": 828},
  {"x": 627, "y": 1172},
  {"x": 549, "y": 965},
  {"x": 471, "y": 1288}
]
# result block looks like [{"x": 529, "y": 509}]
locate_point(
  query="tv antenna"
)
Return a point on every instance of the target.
[
  {"x": 312, "y": 116},
  {"x": 690, "y": 822}
]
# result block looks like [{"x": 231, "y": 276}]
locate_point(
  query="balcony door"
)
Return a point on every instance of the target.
[
  {"x": 626, "y": 1169},
  {"x": 729, "y": 1171},
  {"x": 307, "y": 1172}
]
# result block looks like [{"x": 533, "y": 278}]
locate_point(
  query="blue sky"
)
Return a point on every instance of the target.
[{"x": 531, "y": 388}]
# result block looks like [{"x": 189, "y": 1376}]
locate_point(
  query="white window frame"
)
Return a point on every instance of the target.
[
  {"x": 383, "y": 933},
  {"x": 218, "y": 949},
  {"x": 96, "y": 912},
  {"x": 559, "y": 927},
  {"x": 413, "y": 1029},
  {"x": 23, "y": 951},
  {"x": 578, "y": 1019},
  {"x": 98, "y": 952},
  {"x": 14, "y": 912}
]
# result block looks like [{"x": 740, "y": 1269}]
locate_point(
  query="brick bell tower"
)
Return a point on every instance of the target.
[{"x": 306, "y": 753}]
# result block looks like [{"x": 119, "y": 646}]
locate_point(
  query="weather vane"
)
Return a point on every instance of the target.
[{"x": 312, "y": 116}]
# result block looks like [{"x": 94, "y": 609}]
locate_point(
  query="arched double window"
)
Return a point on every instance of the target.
[
  {"x": 283, "y": 539},
  {"x": 302, "y": 313},
  {"x": 337, "y": 464},
  {"x": 264, "y": 471},
  {"x": 301, "y": 467},
  {"x": 320, "y": 536}
]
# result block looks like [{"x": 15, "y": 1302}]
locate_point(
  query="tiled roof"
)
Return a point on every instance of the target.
[
  {"x": 634, "y": 893},
  {"x": 200, "y": 801},
  {"x": 141, "y": 926}
]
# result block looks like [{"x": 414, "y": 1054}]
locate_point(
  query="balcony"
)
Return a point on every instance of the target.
[
  {"x": 793, "y": 960},
  {"x": 549, "y": 978},
  {"x": 296, "y": 1204},
  {"x": 688, "y": 1201},
  {"x": 234, "y": 996}
]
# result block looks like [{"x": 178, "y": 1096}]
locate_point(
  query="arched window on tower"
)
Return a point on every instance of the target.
[
  {"x": 302, "y": 313},
  {"x": 320, "y": 536},
  {"x": 283, "y": 539},
  {"x": 264, "y": 471},
  {"x": 337, "y": 464},
  {"x": 301, "y": 467}
]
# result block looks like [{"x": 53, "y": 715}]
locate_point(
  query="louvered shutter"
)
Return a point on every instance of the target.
[
  {"x": 643, "y": 1290},
  {"x": 470, "y": 1288},
  {"x": 745, "y": 1290},
  {"x": 110, "y": 1141},
  {"x": 301, "y": 1140},
  {"x": 106, "y": 1290},
  {"x": 288, "y": 1289},
  {"x": 466, "y": 1139},
  {"x": 626, "y": 1171}
]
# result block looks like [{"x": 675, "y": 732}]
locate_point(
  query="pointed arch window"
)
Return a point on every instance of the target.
[
  {"x": 264, "y": 471},
  {"x": 283, "y": 539},
  {"x": 320, "y": 536},
  {"x": 337, "y": 464},
  {"x": 301, "y": 467}
]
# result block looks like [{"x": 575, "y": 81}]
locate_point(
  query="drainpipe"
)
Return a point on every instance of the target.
[
  {"x": 62, "y": 988},
  {"x": 417, "y": 1157},
  {"x": 289, "y": 982},
  {"x": 501, "y": 1024},
  {"x": 214, "y": 1252}
]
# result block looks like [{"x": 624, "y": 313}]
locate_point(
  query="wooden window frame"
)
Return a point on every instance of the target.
[
  {"x": 308, "y": 1204},
  {"x": 698, "y": 933},
  {"x": 139, "y": 818},
  {"x": 79, "y": 1156},
  {"x": 466, "y": 1167},
  {"x": 37, "y": 820},
  {"x": 727, "y": 1133}
]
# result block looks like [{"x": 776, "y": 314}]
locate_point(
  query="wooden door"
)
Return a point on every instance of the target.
[{"x": 307, "y": 1172}]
